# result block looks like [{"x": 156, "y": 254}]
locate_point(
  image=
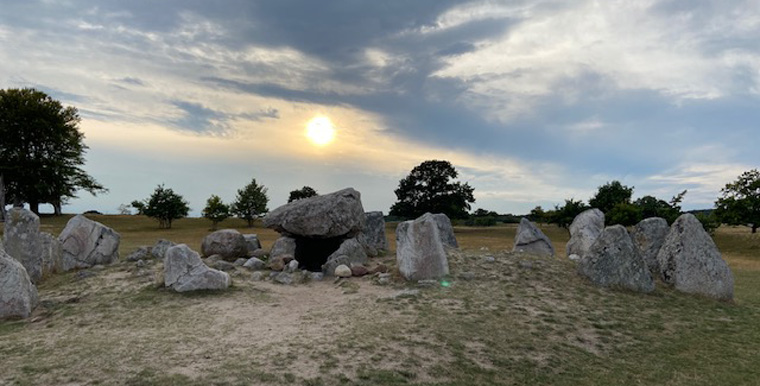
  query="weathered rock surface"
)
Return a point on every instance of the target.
[
  {"x": 445, "y": 230},
  {"x": 18, "y": 296},
  {"x": 690, "y": 261},
  {"x": 254, "y": 264},
  {"x": 531, "y": 240},
  {"x": 252, "y": 243},
  {"x": 350, "y": 252},
  {"x": 22, "y": 241},
  {"x": 420, "y": 252},
  {"x": 342, "y": 270},
  {"x": 141, "y": 253},
  {"x": 648, "y": 237},
  {"x": 159, "y": 250},
  {"x": 613, "y": 261},
  {"x": 184, "y": 271},
  {"x": 373, "y": 237},
  {"x": 283, "y": 246},
  {"x": 87, "y": 243},
  {"x": 52, "y": 254},
  {"x": 227, "y": 243},
  {"x": 359, "y": 270},
  {"x": 330, "y": 215},
  {"x": 584, "y": 230}
]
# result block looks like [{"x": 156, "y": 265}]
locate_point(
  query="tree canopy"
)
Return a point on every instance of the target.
[
  {"x": 428, "y": 188},
  {"x": 609, "y": 195},
  {"x": 165, "y": 206},
  {"x": 739, "y": 203},
  {"x": 564, "y": 215},
  {"x": 251, "y": 202},
  {"x": 42, "y": 150},
  {"x": 216, "y": 210},
  {"x": 305, "y": 192}
]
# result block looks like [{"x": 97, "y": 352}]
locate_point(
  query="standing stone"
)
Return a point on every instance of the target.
[
  {"x": 227, "y": 243},
  {"x": 373, "y": 237},
  {"x": 52, "y": 254},
  {"x": 648, "y": 236},
  {"x": 87, "y": 243},
  {"x": 18, "y": 296},
  {"x": 584, "y": 230},
  {"x": 338, "y": 214},
  {"x": 445, "y": 230},
  {"x": 159, "y": 250},
  {"x": 613, "y": 261},
  {"x": 690, "y": 261},
  {"x": 531, "y": 240},
  {"x": 350, "y": 252},
  {"x": 283, "y": 246},
  {"x": 184, "y": 271},
  {"x": 252, "y": 243},
  {"x": 420, "y": 252},
  {"x": 22, "y": 241}
]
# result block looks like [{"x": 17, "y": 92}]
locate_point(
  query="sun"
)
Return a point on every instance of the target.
[{"x": 320, "y": 130}]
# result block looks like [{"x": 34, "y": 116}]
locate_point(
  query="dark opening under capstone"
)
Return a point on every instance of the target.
[{"x": 311, "y": 253}]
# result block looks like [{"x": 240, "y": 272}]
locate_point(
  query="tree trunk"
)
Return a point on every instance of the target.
[
  {"x": 250, "y": 223},
  {"x": 57, "y": 208},
  {"x": 34, "y": 207},
  {"x": 754, "y": 227},
  {"x": 2, "y": 199}
]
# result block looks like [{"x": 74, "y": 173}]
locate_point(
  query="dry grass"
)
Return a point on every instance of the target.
[{"x": 522, "y": 320}]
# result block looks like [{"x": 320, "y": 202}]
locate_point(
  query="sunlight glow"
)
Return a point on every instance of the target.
[{"x": 320, "y": 130}]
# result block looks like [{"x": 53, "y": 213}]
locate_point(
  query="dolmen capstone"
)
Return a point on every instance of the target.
[
  {"x": 87, "y": 243},
  {"x": 39, "y": 252},
  {"x": 690, "y": 261},
  {"x": 373, "y": 237},
  {"x": 319, "y": 232},
  {"x": 529, "y": 239},
  {"x": 229, "y": 244},
  {"x": 185, "y": 271},
  {"x": 420, "y": 248},
  {"x": 18, "y": 296},
  {"x": 613, "y": 261},
  {"x": 584, "y": 230},
  {"x": 648, "y": 237}
]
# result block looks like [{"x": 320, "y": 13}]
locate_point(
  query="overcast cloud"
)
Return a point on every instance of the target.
[{"x": 533, "y": 101}]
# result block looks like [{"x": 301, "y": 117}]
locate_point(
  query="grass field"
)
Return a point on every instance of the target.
[{"x": 521, "y": 320}]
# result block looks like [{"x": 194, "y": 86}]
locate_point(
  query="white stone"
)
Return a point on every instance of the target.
[
  {"x": 420, "y": 252},
  {"x": 87, "y": 243},
  {"x": 184, "y": 271}
]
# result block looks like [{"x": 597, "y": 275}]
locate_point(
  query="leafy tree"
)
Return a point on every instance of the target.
[
  {"x": 139, "y": 205},
  {"x": 124, "y": 209},
  {"x": 709, "y": 221},
  {"x": 537, "y": 215},
  {"x": 251, "y": 202},
  {"x": 165, "y": 206},
  {"x": 740, "y": 201},
  {"x": 428, "y": 189},
  {"x": 216, "y": 210},
  {"x": 41, "y": 152},
  {"x": 305, "y": 192},
  {"x": 623, "y": 213},
  {"x": 609, "y": 195},
  {"x": 651, "y": 206},
  {"x": 563, "y": 216}
]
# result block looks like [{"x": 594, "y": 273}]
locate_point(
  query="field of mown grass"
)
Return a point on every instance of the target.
[{"x": 521, "y": 321}]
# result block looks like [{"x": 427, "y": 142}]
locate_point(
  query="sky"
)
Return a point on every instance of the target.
[{"x": 533, "y": 102}]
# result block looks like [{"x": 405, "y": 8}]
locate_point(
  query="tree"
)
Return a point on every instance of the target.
[
  {"x": 739, "y": 203},
  {"x": 305, "y": 192},
  {"x": 537, "y": 215},
  {"x": 651, "y": 206},
  {"x": 609, "y": 195},
  {"x": 41, "y": 151},
  {"x": 623, "y": 213},
  {"x": 563, "y": 216},
  {"x": 428, "y": 189},
  {"x": 216, "y": 210},
  {"x": 251, "y": 202},
  {"x": 139, "y": 205},
  {"x": 165, "y": 206},
  {"x": 123, "y": 209}
]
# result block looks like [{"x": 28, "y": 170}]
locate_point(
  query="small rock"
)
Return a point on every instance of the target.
[
  {"x": 258, "y": 253},
  {"x": 483, "y": 248},
  {"x": 224, "y": 265},
  {"x": 489, "y": 259},
  {"x": 212, "y": 259},
  {"x": 384, "y": 281},
  {"x": 98, "y": 267},
  {"x": 140, "y": 263},
  {"x": 427, "y": 283},
  {"x": 141, "y": 253},
  {"x": 240, "y": 262},
  {"x": 466, "y": 276},
  {"x": 277, "y": 264},
  {"x": 273, "y": 274},
  {"x": 574, "y": 257},
  {"x": 405, "y": 294},
  {"x": 524, "y": 264},
  {"x": 254, "y": 264},
  {"x": 292, "y": 266},
  {"x": 317, "y": 276},
  {"x": 257, "y": 276},
  {"x": 81, "y": 275},
  {"x": 343, "y": 271},
  {"x": 359, "y": 270},
  {"x": 284, "y": 278},
  {"x": 382, "y": 268}
]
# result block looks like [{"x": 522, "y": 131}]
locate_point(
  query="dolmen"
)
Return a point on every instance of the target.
[
  {"x": 421, "y": 247},
  {"x": 320, "y": 232},
  {"x": 682, "y": 255},
  {"x": 529, "y": 239}
]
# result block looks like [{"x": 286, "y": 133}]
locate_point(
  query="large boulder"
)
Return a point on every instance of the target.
[
  {"x": 338, "y": 214},
  {"x": 420, "y": 252},
  {"x": 283, "y": 246},
  {"x": 22, "y": 241},
  {"x": 584, "y": 230},
  {"x": 531, "y": 240},
  {"x": 648, "y": 237},
  {"x": 613, "y": 261},
  {"x": 184, "y": 271},
  {"x": 18, "y": 296},
  {"x": 87, "y": 243},
  {"x": 159, "y": 250},
  {"x": 373, "y": 237},
  {"x": 350, "y": 252},
  {"x": 690, "y": 261},
  {"x": 227, "y": 243},
  {"x": 445, "y": 230}
]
